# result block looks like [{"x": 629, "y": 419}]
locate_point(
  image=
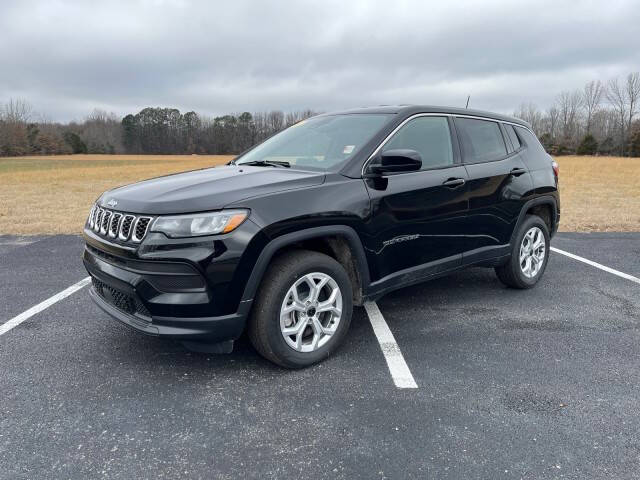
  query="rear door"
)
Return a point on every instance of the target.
[
  {"x": 417, "y": 218},
  {"x": 499, "y": 183}
]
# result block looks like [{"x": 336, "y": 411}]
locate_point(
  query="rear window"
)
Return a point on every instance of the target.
[
  {"x": 530, "y": 140},
  {"x": 481, "y": 140},
  {"x": 511, "y": 133}
]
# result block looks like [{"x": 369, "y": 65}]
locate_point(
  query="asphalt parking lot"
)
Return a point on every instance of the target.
[{"x": 510, "y": 384}]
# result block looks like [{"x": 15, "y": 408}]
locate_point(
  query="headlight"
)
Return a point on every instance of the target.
[{"x": 199, "y": 224}]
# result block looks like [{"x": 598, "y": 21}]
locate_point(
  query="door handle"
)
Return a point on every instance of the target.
[
  {"x": 516, "y": 172},
  {"x": 454, "y": 182}
]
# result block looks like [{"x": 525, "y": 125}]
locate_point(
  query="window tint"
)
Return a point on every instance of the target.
[
  {"x": 481, "y": 139},
  {"x": 530, "y": 140},
  {"x": 429, "y": 136},
  {"x": 512, "y": 136}
]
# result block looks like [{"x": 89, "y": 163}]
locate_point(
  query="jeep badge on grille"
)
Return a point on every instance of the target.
[{"x": 112, "y": 203}]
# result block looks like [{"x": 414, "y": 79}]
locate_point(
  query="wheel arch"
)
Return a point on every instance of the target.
[
  {"x": 338, "y": 241},
  {"x": 535, "y": 206}
]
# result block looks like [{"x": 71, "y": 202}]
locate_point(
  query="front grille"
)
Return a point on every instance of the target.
[
  {"x": 124, "y": 227},
  {"x": 122, "y": 301}
]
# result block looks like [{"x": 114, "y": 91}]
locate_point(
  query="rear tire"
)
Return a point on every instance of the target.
[
  {"x": 294, "y": 324},
  {"x": 529, "y": 255}
]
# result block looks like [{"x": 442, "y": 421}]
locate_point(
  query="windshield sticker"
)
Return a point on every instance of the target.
[{"x": 348, "y": 149}]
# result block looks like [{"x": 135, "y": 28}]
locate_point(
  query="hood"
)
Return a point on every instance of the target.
[{"x": 207, "y": 189}]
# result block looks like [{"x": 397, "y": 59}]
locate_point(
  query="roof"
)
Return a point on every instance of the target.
[{"x": 413, "y": 109}]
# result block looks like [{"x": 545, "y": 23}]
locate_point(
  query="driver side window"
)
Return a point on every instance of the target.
[{"x": 429, "y": 136}]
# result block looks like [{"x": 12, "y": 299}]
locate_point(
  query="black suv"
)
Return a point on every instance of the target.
[{"x": 331, "y": 212}]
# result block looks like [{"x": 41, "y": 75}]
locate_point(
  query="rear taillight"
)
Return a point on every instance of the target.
[{"x": 555, "y": 167}]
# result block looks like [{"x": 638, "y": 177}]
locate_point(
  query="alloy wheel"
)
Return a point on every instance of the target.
[
  {"x": 532, "y": 252},
  {"x": 311, "y": 312}
]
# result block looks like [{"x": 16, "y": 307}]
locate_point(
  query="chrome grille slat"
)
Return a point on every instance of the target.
[
  {"x": 125, "y": 227},
  {"x": 117, "y": 225},
  {"x": 140, "y": 229},
  {"x": 93, "y": 216},
  {"x": 104, "y": 225},
  {"x": 114, "y": 225},
  {"x": 96, "y": 226},
  {"x": 92, "y": 213}
]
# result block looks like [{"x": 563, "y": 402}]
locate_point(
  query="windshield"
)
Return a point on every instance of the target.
[{"x": 317, "y": 143}]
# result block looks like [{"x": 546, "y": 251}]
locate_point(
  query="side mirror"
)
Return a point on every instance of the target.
[{"x": 396, "y": 161}]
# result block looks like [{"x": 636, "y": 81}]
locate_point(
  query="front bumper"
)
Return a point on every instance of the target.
[
  {"x": 214, "y": 329},
  {"x": 167, "y": 295}
]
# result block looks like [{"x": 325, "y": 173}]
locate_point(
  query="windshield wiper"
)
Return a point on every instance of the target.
[{"x": 267, "y": 163}]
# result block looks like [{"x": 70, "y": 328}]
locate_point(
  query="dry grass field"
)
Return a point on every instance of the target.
[
  {"x": 54, "y": 194},
  {"x": 599, "y": 194}
]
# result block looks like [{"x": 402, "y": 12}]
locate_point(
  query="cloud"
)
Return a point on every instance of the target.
[{"x": 68, "y": 57}]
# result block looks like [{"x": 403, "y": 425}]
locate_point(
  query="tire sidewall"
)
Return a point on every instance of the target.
[
  {"x": 530, "y": 222},
  {"x": 275, "y": 338}
]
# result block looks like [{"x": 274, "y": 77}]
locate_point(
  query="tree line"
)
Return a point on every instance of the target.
[
  {"x": 150, "y": 131},
  {"x": 600, "y": 118}
]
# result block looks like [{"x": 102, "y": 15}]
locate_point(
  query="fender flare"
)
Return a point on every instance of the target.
[
  {"x": 542, "y": 200},
  {"x": 277, "y": 243}
]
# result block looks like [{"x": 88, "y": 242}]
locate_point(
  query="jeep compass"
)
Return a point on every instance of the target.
[{"x": 334, "y": 211}]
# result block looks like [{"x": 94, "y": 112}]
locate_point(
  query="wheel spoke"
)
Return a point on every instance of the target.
[
  {"x": 299, "y": 340},
  {"x": 330, "y": 308},
  {"x": 322, "y": 330},
  {"x": 316, "y": 288},
  {"x": 328, "y": 304},
  {"x": 293, "y": 307},
  {"x": 297, "y": 328},
  {"x": 294, "y": 295},
  {"x": 527, "y": 266},
  {"x": 300, "y": 333},
  {"x": 539, "y": 241},
  {"x": 315, "y": 340},
  {"x": 523, "y": 255}
]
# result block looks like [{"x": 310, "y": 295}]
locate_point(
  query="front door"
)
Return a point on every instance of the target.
[{"x": 417, "y": 218}]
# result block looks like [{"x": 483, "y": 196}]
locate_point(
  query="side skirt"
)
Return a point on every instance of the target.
[{"x": 484, "y": 257}]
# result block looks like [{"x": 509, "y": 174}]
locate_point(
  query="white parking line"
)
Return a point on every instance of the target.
[
  {"x": 15, "y": 321},
  {"x": 597, "y": 265},
  {"x": 395, "y": 361}
]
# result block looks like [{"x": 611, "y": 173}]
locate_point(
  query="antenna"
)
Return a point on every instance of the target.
[{"x": 468, "y": 98}]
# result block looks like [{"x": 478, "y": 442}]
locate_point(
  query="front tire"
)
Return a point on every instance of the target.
[
  {"x": 303, "y": 309},
  {"x": 529, "y": 255}
]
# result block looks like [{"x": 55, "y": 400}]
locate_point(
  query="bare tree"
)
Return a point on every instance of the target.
[
  {"x": 275, "y": 121},
  {"x": 553, "y": 117},
  {"x": 102, "y": 132},
  {"x": 529, "y": 113},
  {"x": 591, "y": 98},
  {"x": 569, "y": 104},
  {"x": 617, "y": 97},
  {"x": 17, "y": 110},
  {"x": 14, "y": 131},
  {"x": 633, "y": 97}
]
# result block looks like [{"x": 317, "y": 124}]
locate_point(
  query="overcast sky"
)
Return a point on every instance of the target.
[{"x": 67, "y": 58}]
